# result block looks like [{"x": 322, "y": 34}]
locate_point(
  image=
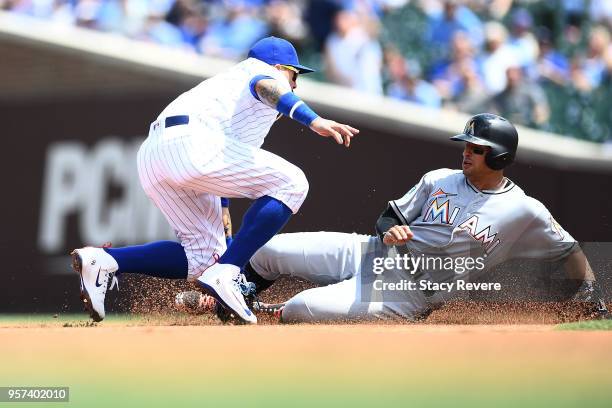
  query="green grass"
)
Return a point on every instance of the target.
[
  {"x": 76, "y": 318},
  {"x": 283, "y": 394},
  {"x": 587, "y": 325},
  {"x": 82, "y": 320}
]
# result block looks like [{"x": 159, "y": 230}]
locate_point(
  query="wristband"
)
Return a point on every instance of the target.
[
  {"x": 291, "y": 105},
  {"x": 224, "y": 202}
]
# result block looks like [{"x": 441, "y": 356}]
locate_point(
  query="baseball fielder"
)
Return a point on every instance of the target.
[
  {"x": 203, "y": 146},
  {"x": 474, "y": 213}
]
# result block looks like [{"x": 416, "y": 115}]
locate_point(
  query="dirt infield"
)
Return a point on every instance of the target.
[
  {"x": 131, "y": 362},
  {"x": 145, "y": 296},
  {"x": 467, "y": 354}
]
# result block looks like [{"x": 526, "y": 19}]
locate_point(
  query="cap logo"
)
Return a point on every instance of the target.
[{"x": 469, "y": 128}]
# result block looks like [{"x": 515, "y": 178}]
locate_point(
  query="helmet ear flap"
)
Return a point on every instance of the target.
[{"x": 498, "y": 161}]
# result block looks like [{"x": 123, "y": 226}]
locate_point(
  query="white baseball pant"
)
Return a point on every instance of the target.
[
  {"x": 185, "y": 169},
  {"x": 337, "y": 260}
]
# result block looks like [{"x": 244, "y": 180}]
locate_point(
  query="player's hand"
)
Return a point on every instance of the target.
[
  {"x": 398, "y": 235},
  {"x": 340, "y": 132},
  {"x": 227, "y": 221}
]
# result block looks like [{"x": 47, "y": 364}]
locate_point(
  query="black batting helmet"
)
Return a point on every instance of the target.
[{"x": 487, "y": 129}]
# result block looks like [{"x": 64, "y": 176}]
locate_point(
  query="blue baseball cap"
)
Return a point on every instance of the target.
[{"x": 274, "y": 50}]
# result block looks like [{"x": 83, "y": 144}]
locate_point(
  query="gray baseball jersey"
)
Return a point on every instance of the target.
[{"x": 450, "y": 217}]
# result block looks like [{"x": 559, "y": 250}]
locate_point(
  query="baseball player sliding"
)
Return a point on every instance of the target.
[
  {"x": 203, "y": 146},
  {"x": 474, "y": 213}
]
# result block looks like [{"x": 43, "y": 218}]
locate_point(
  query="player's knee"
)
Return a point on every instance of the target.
[
  {"x": 271, "y": 250},
  {"x": 301, "y": 186},
  {"x": 293, "y": 188},
  {"x": 298, "y": 182},
  {"x": 296, "y": 310}
]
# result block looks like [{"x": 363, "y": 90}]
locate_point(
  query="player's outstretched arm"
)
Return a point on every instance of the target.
[
  {"x": 578, "y": 268},
  {"x": 270, "y": 92},
  {"x": 340, "y": 132}
]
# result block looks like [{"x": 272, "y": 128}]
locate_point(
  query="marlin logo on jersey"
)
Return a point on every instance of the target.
[
  {"x": 440, "y": 193},
  {"x": 489, "y": 241},
  {"x": 441, "y": 211}
]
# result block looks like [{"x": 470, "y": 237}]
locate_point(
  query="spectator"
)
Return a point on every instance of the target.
[
  {"x": 587, "y": 71},
  {"x": 34, "y": 8},
  {"x": 158, "y": 30},
  {"x": 522, "y": 39},
  {"x": 352, "y": 57},
  {"x": 285, "y": 20},
  {"x": 601, "y": 12},
  {"x": 492, "y": 9},
  {"x": 232, "y": 35},
  {"x": 86, "y": 13},
  {"x": 497, "y": 58},
  {"x": 607, "y": 79},
  {"x": 320, "y": 16},
  {"x": 454, "y": 17},
  {"x": 472, "y": 97},
  {"x": 550, "y": 64},
  {"x": 191, "y": 18},
  {"x": 521, "y": 102},
  {"x": 448, "y": 75},
  {"x": 574, "y": 12},
  {"x": 62, "y": 12},
  {"x": 110, "y": 16},
  {"x": 406, "y": 82}
]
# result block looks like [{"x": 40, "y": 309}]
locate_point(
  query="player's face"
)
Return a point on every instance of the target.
[
  {"x": 474, "y": 159},
  {"x": 290, "y": 73}
]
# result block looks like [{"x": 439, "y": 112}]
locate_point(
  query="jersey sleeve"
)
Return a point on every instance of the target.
[
  {"x": 261, "y": 70},
  {"x": 544, "y": 238},
  {"x": 410, "y": 205}
]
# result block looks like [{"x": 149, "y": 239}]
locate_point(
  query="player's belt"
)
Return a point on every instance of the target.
[{"x": 176, "y": 120}]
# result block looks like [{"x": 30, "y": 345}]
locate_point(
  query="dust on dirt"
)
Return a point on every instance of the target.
[{"x": 154, "y": 298}]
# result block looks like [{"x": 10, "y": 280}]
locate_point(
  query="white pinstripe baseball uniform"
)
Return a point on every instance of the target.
[{"x": 206, "y": 145}]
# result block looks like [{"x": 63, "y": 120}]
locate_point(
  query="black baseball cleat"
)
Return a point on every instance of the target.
[
  {"x": 274, "y": 309},
  {"x": 602, "y": 310}
]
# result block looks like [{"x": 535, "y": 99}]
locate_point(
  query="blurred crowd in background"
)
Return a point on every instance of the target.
[{"x": 546, "y": 64}]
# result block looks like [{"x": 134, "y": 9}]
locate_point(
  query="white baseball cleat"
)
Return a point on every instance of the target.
[
  {"x": 96, "y": 268},
  {"x": 222, "y": 282}
]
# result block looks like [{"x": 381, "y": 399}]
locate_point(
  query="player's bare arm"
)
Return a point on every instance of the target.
[
  {"x": 577, "y": 268},
  {"x": 274, "y": 95},
  {"x": 269, "y": 91}
]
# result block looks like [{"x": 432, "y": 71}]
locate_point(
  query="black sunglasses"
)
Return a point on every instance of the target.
[{"x": 478, "y": 150}]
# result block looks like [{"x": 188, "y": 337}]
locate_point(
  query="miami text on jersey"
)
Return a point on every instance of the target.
[{"x": 489, "y": 242}]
